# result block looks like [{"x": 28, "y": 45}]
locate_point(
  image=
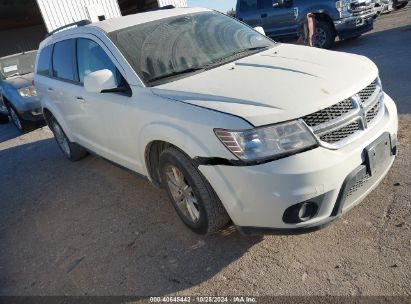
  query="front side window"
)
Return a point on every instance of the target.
[
  {"x": 43, "y": 64},
  {"x": 63, "y": 60},
  {"x": 162, "y": 50},
  {"x": 91, "y": 57}
]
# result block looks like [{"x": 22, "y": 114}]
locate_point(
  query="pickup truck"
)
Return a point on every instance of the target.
[{"x": 283, "y": 19}]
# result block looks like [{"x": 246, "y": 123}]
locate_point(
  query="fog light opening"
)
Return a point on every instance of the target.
[{"x": 301, "y": 212}]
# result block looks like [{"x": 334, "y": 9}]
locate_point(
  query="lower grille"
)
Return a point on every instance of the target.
[
  {"x": 340, "y": 134},
  {"x": 358, "y": 185}
]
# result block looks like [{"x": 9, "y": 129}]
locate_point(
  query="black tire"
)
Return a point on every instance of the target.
[
  {"x": 21, "y": 124},
  {"x": 400, "y": 6},
  {"x": 325, "y": 36},
  {"x": 4, "y": 118},
  {"x": 71, "y": 151},
  {"x": 212, "y": 215},
  {"x": 352, "y": 38}
]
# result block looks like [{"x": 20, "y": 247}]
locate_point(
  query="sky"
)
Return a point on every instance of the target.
[{"x": 220, "y": 5}]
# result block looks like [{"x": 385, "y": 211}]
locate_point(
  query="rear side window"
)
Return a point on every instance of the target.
[
  {"x": 91, "y": 57},
  {"x": 248, "y": 5},
  {"x": 63, "y": 60},
  {"x": 43, "y": 65}
]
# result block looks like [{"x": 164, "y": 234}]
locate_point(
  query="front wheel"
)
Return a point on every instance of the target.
[
  {"x": 71, "y": 150},
  {"x": 192, "y": 196},
  {"x": 21, "y": 124},
  {"x": 324, "y": 35}
]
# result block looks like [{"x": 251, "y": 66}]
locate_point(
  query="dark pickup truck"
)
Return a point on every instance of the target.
[{"x": 283, "y": 19}]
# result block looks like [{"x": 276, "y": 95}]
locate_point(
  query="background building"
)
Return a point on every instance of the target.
[{"x": 24, "y": 23}]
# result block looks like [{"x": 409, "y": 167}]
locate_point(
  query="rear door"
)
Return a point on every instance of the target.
[
  {"x": 279, "y": 20},
  {"x": 250, "y": 12}
]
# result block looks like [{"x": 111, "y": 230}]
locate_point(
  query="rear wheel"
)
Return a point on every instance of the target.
[
  {"x": 71, "y": 150},
  {"x": 192, "y": 196},
  {"x": 324, "y": 35}
]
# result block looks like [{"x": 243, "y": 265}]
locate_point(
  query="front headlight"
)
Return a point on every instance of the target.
[
  {"x": 29, "y": 91},
  {"x": 274, "y": 141},
  {"x": 343, "y": 6}
]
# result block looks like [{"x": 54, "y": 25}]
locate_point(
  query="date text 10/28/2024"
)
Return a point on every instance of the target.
[{"x": 171, "y": 299}]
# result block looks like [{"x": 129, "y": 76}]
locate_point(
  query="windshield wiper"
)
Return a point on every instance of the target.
[
  {"x": 217, "y": 62},
  {"x": 174, "y": 74},
  {"x": 235, "y": 55}
]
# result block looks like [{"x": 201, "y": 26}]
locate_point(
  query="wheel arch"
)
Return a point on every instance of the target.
[
  {"x": 156, "y": 138},
  {"x": 48, "y": 112},
  {"x": 322, "y": 16}
]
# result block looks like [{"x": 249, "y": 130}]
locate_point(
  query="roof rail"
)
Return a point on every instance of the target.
[{"x": 78, "y": 24}]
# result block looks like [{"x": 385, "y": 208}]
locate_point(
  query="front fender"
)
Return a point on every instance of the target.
[
  {"x": 192, "y": 143},
  {"x": 321, "y": 9}
]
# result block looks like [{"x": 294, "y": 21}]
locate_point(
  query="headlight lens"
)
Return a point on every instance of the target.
[
  {"x": 268, "y": 142},
  {"x": 343, "y": 6},
  {"x": 29, "y": 91}
]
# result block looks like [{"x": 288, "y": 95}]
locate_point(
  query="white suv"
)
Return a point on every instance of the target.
[{"x": 275, "y": 137}]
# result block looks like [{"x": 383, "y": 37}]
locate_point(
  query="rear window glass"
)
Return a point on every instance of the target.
[
  {"x": 43, "y": 65},
  {"x": 63, "y": 60}
]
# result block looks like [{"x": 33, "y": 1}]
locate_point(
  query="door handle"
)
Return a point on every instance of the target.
[
  {"x": 80, "y": 99},
  {"x": 50, "y": 90},
  {"x": 264, "y": 15}
]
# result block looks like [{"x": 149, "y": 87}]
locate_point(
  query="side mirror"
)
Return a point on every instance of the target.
[
  {"x": 100, "y": 81},
  {"x": 260, "y": 30}
]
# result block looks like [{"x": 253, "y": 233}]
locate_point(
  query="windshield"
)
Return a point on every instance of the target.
[
  {"x": 19, "y": 64},
  {"x": 168, "y": 49}
]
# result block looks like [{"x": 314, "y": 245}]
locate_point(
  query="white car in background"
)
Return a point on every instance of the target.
[{"x": 276, "y": 137}]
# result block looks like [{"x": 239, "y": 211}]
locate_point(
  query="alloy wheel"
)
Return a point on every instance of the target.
[
  {"x": 182, "y": 194},
  {"x": 320, "y": 37},
  {"x": 16, "y": 119},
  {"x": 61, "y": 139}
]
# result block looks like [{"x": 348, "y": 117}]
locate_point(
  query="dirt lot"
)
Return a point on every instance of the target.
[{"x": 90, "y": 228}]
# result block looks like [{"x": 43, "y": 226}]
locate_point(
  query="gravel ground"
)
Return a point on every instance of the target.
[{"x": 90, "y": 228}]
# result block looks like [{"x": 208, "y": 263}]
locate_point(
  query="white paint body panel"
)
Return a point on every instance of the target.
[{"x": 283, "y": 83}]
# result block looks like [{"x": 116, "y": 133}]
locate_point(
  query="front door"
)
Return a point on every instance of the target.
[
  {"x": 102, "y": 123},
  {"x": 279, "y": 20}
]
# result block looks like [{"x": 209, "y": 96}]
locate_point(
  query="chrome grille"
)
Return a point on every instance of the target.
[
  {"x": 371, "y": 114},
  {"x": 359, "y": 12},
  {"x": 358, "y": 9},
  {"x": 329, "y": 113},
  {"x": 366, "y": 93},
  {"x": 340, "y": 134},
  {"x": 335, "y": 126}
]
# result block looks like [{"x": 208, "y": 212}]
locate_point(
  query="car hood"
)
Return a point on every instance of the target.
[
  {"x": 19, "y": 82},
  {"x": 285, "y": 82}
]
